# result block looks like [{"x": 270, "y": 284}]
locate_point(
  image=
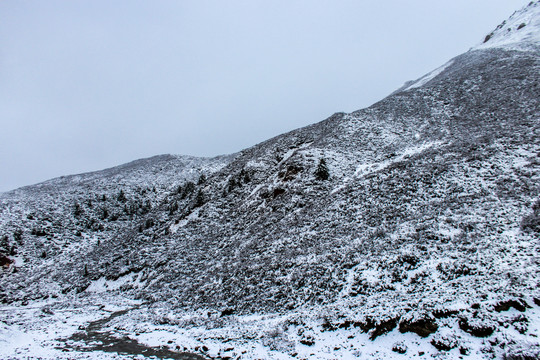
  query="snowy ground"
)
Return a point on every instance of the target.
[
  {"x": 39, "y": 331},
  {"x": 33, "y": 331}
]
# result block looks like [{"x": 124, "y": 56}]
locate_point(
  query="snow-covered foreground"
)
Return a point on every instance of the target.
[
  {"x": 43, "y": 330},
  {"x": 36, "y": 330}
]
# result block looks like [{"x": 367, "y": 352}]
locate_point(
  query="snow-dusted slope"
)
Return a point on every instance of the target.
[
  {"x": 161, "y": 171},
  {"x": 423, "y": 241},
  {"x": 67, "y": 215},
  {"x": 520, "y": 31}
]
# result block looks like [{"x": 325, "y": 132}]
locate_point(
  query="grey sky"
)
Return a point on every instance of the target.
[{"x": 86, "y": 85}]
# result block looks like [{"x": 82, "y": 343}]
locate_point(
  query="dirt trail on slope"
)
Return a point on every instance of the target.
[{"x": 94, "y": 338}]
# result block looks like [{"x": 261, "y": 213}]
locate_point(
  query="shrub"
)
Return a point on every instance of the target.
[
  {"x": 121, "y": 196},
  {"x": 148, "y": 223},
  {"x": 173, "y": 207},
  {"x": 188, "y": 189},
  {"x": 77, "y": 211},
  {"x": 199, "y": 199},
  {"x": 531, "y": 223},
  {"x": 522, "y": 351},
  {"x": 322, "y": 172},
  {"x": 444, "y": 343},
  {"x": 399, "y": 347},
  {"x": 17, "y": 235},
  {"x": 202, "y": 179}
]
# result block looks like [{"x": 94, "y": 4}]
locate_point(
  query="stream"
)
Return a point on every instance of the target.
[{"x": 95, "y": 338}]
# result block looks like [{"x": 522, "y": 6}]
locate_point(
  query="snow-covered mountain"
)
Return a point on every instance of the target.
[
  {"x": 407, "y": 229},
  {"x": 518, "y": 32}
]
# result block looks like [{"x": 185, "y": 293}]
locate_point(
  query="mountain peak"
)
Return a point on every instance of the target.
[{"x": 519, "y": 31}]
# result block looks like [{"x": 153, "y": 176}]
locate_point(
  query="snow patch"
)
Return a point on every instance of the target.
[
  {"x": 520, "y": 31},
  {"x": 103, "y": 285},
  {"x": 428, "y": 77},
  {"x": 174, "y": 227},
  {"x": 365, "y": 169}
]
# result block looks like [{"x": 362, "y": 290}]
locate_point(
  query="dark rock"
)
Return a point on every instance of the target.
[
  {"x": 518, "y": 304},
  {"x": 227, "y": 312},
  {"x": 308, "y": 341},
  {"x": 383, "y": 327},
  {"x": 399, "y": 348},
  {"x": 444, "y": 343},
  {"x": 5, "y": 261},
  {"x": 422, "y": 327},
  {"x": 277, "y": 192},
  {"x": 478, "y": 330},
  {"x": 444, "y": 313}
]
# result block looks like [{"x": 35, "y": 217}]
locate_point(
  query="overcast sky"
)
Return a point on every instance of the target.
[{"x": 86, "y": 85}]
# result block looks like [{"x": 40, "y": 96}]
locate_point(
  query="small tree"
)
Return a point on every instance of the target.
[
  {"x": 322, "y": 172},
  {"x": 17, "y": 235},
  {"x": 173, "y": 207},
  {"x": 4, "y": 243},
  {"x": 202, "y": 179},
  {"x": 199, "y": 199},
  {"x": 104, "y": 214},
  {"x": 188, "y": 189},
  {"x": 121, "y": 196},
  {"x": 77, "y": 211}
]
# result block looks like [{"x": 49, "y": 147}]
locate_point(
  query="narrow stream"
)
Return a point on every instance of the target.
[{"x": 94, "y": 338}]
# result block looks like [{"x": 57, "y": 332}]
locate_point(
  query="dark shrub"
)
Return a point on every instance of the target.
[
  {"x": 322, "y": 173},
  {"x": 202, "y": 179},
  {"x": 531, "y": 222}
]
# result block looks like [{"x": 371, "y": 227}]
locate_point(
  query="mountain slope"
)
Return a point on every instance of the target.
[
  {"x": 427, "y": 224},
  {"x": 62, "y": 217}
]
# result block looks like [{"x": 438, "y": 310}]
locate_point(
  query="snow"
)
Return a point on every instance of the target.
[
  {"x": 365, "y": 169},
  {"x": 33, "y": 336},
  {"x": 104, "y": 285},
  {"x": 421, "y": 216},
  {"x": 520, "y": 31},
  {"x": 428, "y": 77},
  {"x": 369, "y": 168},
  {"x": 293, "y": 151},
  {"x": 277, "y": 337},
  {"x": 174, "y": 227}
]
